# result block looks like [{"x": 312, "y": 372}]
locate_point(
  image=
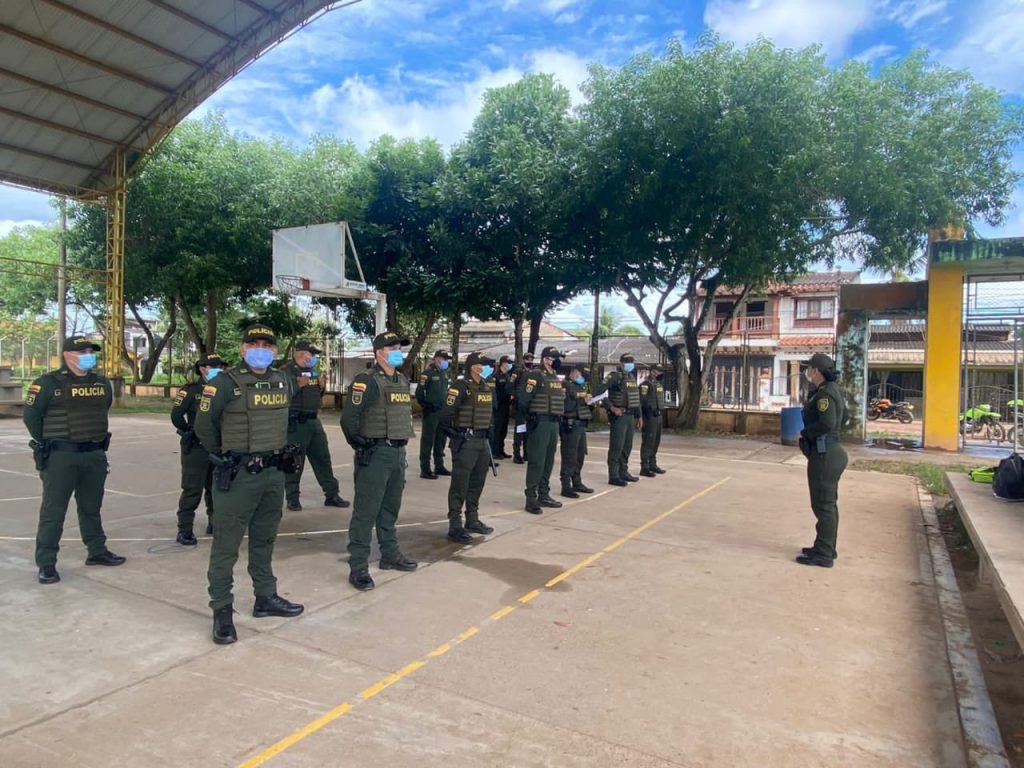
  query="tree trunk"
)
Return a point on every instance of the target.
[
  {"x": 391, "y": 310},
  {"x": 456, "y": 331},
  {"x": 417, "y": 343},
  {"x": 517, "y": 331},
  {"x": 535, "y": 320},
  {"x": 149, "y": 368},
  {"x": 211, "y": 320},
  {"x": 190, "y": 324}
]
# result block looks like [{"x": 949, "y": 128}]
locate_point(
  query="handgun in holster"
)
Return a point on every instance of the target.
[
  {"x": 821, "y": 445},
  {"x": 290, "y": 459},
  {"x": 363, "y": 452},
  {"x": 225, "y": 468},
  {"x": 188, "y": 440},
  {"x": 40, "y": 453}
]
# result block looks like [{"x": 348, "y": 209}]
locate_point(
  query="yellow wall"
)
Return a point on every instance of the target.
[{"x": 942, "y": 357}]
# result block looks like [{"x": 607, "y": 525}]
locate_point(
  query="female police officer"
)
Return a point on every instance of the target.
[{"x": 826, "y": 459}]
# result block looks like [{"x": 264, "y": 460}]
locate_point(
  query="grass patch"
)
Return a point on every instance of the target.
[
  {"x": 932, "y": 476},
  {"x": 144, "y": 405}
]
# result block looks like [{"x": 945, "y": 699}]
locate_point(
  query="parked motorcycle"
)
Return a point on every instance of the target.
[
  {"x": 884, "y": 408},
  {"x": 982, "y": 421}
]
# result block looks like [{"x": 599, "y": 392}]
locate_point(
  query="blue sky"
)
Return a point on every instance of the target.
[{"x": 420, "y": 67}]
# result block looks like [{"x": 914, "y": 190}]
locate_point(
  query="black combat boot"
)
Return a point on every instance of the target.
[{"x": 224, "y": 626}]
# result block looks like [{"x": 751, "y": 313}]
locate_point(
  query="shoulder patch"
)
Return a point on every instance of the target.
[
  {"x": 208, "y": 391},
  {"x": 357, "y": 395},
  {"x": 180, "y": 397},
  {"x": 823, "y": 404},
  {"x": 453, "y": 391},
  {"x": 530, "y": 383},
  {"x": 35, "y": 388},
  {"x": 359, "y": 386}
]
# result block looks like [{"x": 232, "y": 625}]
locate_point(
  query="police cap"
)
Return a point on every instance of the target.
[
  {"x": 822, "y": 362},
  {"x": 80, "y": 344},
  {"x": 550, "y": 352},
  {"x": 258, "y": 331},
  {"x": 443, "y": 354},
  {"x": 214, "y": 361},
  {"x": 389, "y": 339},
  {"x": 504, "y": 359},
  {"x": 478, "y": 358},
  {"x": 626, "y": 357},
  {"x": 307, "y": 346}
]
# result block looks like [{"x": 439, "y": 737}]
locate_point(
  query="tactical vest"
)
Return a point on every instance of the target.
[
  {"x": 811, "y": 413},
  {"x": 307, "y": 398},
  {"x": 390, "y": 415},
  {"x": 77, "y": 409},
  {"x": 256, "y": 421},
  {"x": 655, "y": 400},
  {"x": 548, "y": 394},
  {"x": 576, "y": 401},
  {"x": 625, "y": 393},
  {"x": 475, "y": 411},
  {"x": 661, "y": 398}
]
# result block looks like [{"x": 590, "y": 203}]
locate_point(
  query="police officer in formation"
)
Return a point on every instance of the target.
[
  {"x": 243, "y": 423},
  {"x": 653, "y": 405},
  {"x": 430, "y": 394},
  {"x": 826, "y": 459},
  {"x": 515, "y": 383},
  {"x": 502, "y": 407},
  {"x": 196, "y": 469},
  {"x": 466, "y": 417},
  {"x": 573, "y": 432},
  {"x": 623, "y": 406},
  {"x": 305, "y": 429},
  {"x": 377, "y": 423},
  {"x": 66, "y": 415},
  {"x": 542, "y": 399}
]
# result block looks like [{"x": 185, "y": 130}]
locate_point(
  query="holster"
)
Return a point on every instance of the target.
[
  {"x": 290, "y": 459},
  {"x": 805, "y": 446},
  {"x": 40, "y": 453},
  {"x": 225, "y": 468},
  {"x": 188, "y": 440},
  {"x": 363, "y": 454}
]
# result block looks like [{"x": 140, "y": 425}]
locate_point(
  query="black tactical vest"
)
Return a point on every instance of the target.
[
  {"x": 625, "y": 392},
  {"x": 390, "y": 415},
  {"x": 256, "y": 421},
  {"x": 811, "y": 413},
  {"x": 576, "y": 401},
  {"x": 306, "y": 399},
  {"x": 475, "y": 411},
  {"x": 78, "y": 408},
  {"x": 548, "y": 394},
  {"x": 654, "y": 400}
]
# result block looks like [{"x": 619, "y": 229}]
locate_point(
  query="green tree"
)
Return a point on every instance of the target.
[{"x": 24, "y": 293}]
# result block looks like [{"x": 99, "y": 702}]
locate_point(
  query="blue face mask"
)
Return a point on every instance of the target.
[
  {"x": 487, "y": 371},
  {"x": 313, "y": 361},
  {"x": 395, "y": 358},
  {"x": 628, "y": 367},
  {"x": 259, "y": 357},
  {"x": 212, "y": 374},
  {"x": 443, "y": 365},
  {"x": 87, "y": 361},
  {"x": 579, "y": 380}
]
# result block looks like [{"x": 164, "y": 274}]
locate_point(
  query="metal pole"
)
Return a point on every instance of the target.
[
  {"x": 1016, "y": 386},
  {"x": 62, "y": 284},
  {"x": 2, "y": 350},
  {"x": 595, "y": 340},
  {"x": 23, "y": 357}
]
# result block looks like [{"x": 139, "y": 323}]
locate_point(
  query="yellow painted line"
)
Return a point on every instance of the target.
[
  {"x": 501, "y": 614},
  {"x": 412, "y": 667},
  {"x": 466, "y": 635}
]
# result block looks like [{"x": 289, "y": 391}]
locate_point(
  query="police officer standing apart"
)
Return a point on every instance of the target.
[
  {"x": 377, "y": 422},
  {"x": 430, "y": 394},
  {"x": 652, "y": 407},
  {"x": 66, "y": 415},
  {"x": 243, "y": 423},
  {"x": 823, "y": 415},
  {"x": 502, "y": 407},
  {"x": 467, "y": 419},
  {"x": 623, "y": 405},
  {"x": 542, "y": 400},
  {"x": 196, "y": 470},
  {"x": 305, "y": 429},
  {"x": 515, "y": 383},
  {"x": 574, "y": 432}
]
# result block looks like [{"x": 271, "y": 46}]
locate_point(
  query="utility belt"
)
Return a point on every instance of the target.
[
  {"x": 226, "y": 465},
  {"x": 656, "y": 414},
  {"x": 68, "y": 445},
  {"x": 302, "y": 418},
  {"x": 573, "y": 423},
  {"x": 364, "y": 451},
  {"x": 472, "y": 434},
  {"x": 544, "y": 417},
  {"x": 818, "y": 446},
  {"x": 376, "y": 441}
]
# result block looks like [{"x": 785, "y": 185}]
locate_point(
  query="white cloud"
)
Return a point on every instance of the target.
[
  {"x": 993, "y": 46},
  {"x": 875, "y": 52},
  {"x": 568, "y": 69},
  {"x": 791, "y": 23},
  {"x": 6, "y": 225},
  {"x": 907, "y": 13}
]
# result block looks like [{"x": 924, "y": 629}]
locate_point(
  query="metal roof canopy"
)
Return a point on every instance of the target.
[{"x": 84, "y": 81}]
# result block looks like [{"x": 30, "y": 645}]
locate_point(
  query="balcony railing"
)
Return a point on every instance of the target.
[{"x": 758, "y": 325}]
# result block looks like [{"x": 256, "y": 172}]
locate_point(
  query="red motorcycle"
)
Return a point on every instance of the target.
[{"x": 884, "y": 408}]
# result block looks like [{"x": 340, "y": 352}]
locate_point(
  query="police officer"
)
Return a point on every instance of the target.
[
  {"x": 66, "y": 415},
  {"x": 515, "y": 383},
  {"x": 305, "y": 429},
  {"x": 574, "y": 432},
  {"x": 243, "y": 423},
  {"x": 623, "y": 406},
  {"x": 466, "y": 417},
  {"x": 502, "y": 407},
  {"x": 542, "y": 398},
  {"x": 196, "y": 470},
  {"x": 652, "y": 407},
  {"x": 430, "y": 394},
  {"x": 377, "y": 422},
  {"x": 823, "y": 415}
]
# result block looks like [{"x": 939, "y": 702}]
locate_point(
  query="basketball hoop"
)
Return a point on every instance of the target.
[{"x": 291, "y": 285}]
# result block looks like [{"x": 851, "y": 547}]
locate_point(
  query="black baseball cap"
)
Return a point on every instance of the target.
[
  {"x": 478, "y": 358},
  {"x": 443, "y": 353},
  {"x": 504, "y": 359},
  {"x": 307, "y": 346},
  {"x": 389, "y": 339},
  {"x": 822, "y": 362},
  {"x": 258, "y": 331},
  {"x": 550, "y": 352},
  {"x": 528, "y": 356},
  {"x": 214, "y": 361},
  {"x": 80, "y": 344},
  {"x": 626, "y": 357}
]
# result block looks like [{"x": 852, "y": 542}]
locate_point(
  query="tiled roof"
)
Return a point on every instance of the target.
[
  {"x": 812, "y": 282},
  {"x": 807, "y": 341}
]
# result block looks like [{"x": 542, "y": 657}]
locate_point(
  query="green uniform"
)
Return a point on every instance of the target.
[
  {"x": 306, "y": 431},
  {"x": 377, "y": 422},
  {"x": 542, "y": 399},
  {"x": 245, "y": 414},
  {"x": 68, "y": 413},
  {"x": 623, "y": 392},
  {"x": 652, "y": 408},
  {"x": 503, "y": 391},
  {"x": 430, "y": 394},
  {"x": 574, "y": 434},
  {"x": 826, "y": 460},
  {"x": 196, "y": 470},
  {"x": 516, "y": 377},
  {"x": 467, "y": 415}
]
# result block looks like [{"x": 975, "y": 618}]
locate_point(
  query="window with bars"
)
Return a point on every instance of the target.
[{"x": 815, "y": 309}]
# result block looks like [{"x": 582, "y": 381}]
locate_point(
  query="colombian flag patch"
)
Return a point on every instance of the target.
[
  {"x": 359, "y": 386},
  {"x": 35, "y": 389},
  {"x": 209, "y": 390}
]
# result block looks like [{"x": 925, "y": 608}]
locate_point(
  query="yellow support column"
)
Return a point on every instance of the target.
[
  {"x": 942, "y": 357},
  {"x": 115, "y": 278}
]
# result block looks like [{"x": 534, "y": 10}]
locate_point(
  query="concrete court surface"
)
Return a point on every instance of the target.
[{"x": 682, "y": 635}]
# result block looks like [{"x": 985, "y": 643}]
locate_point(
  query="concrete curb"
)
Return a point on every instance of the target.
[{"x": 982, "y": 740}]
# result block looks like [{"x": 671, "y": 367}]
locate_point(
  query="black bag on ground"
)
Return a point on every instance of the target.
[{"x": 1008, "y": 482}]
